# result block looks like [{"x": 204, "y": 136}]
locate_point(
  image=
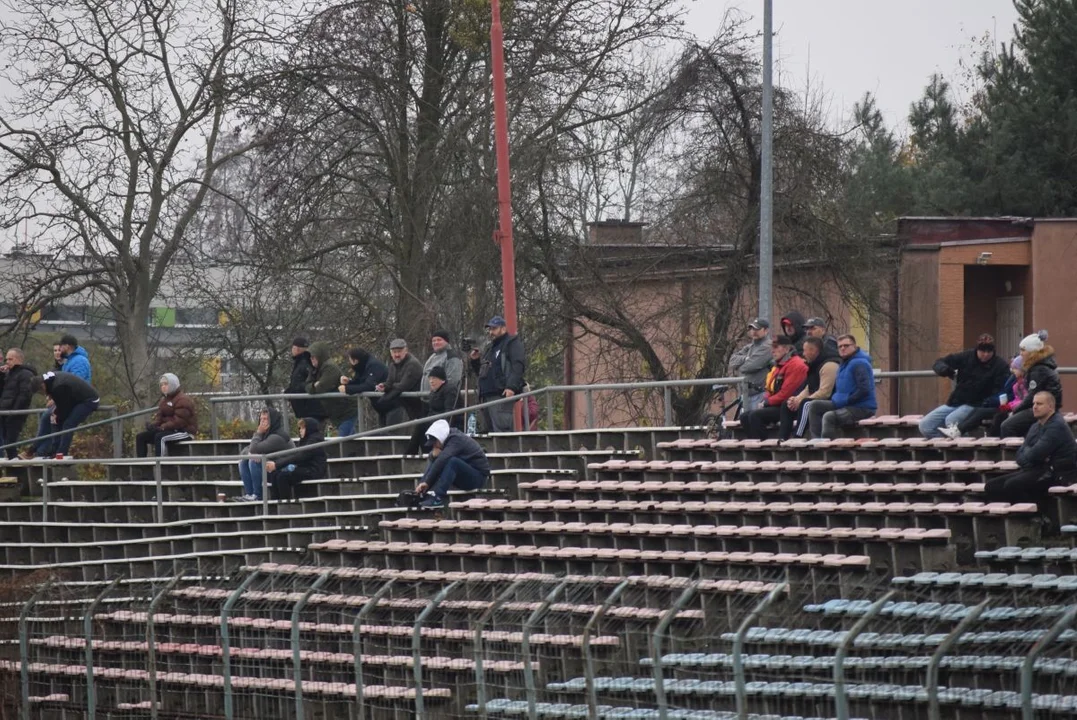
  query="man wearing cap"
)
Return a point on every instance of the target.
[
  {"x": 816, "y": 327},
  {"x": 753, "y": 361},
  {"x": 456, "y": 461},
  {"x": 446, "y": 357},
  {"x": 405, "y": 375},
  {"x": 302, "y": 369},
  {"x": 500, "y": 367},
  {"x": 784, "y": 381},
  {"x": 980, "y": 375}
]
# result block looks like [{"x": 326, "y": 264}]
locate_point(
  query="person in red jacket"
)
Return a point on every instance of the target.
[
  {"x": 175, "y": 419},
  {"x": 785, "y": 379}
]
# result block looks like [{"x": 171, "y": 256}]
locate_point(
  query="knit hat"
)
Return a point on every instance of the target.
[
  {"x": 986, "y": 343},
  {"x": 438, "y": 372},
  {"x": 1032, "y": 343},
  {"x": 439, "y": 430},
  {"x": 443, "y": 334},
  {"x": 171, "y": 382},
  {"x": 300, "y": 341},
  {"x": 1017, "y": 363}
]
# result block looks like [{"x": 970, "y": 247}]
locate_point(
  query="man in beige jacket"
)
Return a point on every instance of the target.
[{"x": 822, "y": 372}]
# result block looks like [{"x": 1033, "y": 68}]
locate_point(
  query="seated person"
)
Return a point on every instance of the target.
[
  {"x": 1041, "y": 374},
  {"x": 980, "y": 375},
  {"x": 270, "y": 436},
  {"x": 822, "y": 372},
  {"x": 175, "y": 419},
  {"x": 73, "y": 399},
  {"x": 309, "y": 464},
  {"x": 784, "y": 380},
  {"x": 442, "y": 399},
  {"x": 1048, "y": 457},
  {"x": 456, "y": 461},
  {"x": 853, "y": 398},
  {"x": 997, "y": 408}
]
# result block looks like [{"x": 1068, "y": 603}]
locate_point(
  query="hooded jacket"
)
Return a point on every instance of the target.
[
  {"x": 326, "y": 379},
  {"x": 822, "y": 375},
  {"x": 77, "y": 362},
  {"x": 976, "y": 381},
  {"x": 367, "y": 374},
  {"x": 176, "y": 411},
  {"x": 753, "y": 361},
  {"x": 1041, "y": 375},
  {"x": 302, "y": 368},
  {"x": 797, "y": 320},
  {"x": 17, "y": 392},
  {"x": 454, "y": 444},
  {"x": 786, "y": 379},
  {"x": 309, "y": 464},
  {"x": 855, "y": 385},
  {"x": 67, "y": 391},
  {"x": 274, "y": 439},
  {"x": 1049, "y": 446}
]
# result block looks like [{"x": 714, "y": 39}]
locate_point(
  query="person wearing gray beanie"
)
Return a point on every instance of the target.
[{"x": 176, "y": 419}]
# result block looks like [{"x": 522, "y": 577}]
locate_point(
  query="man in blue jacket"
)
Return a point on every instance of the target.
[
  {"x": 854, "y": 393},
  {"x": 456, "y": 461},
  {"x": 72, "y": 359}
]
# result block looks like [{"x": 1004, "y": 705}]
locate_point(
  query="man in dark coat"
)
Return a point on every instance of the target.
[
  {"x": 306, "y": 463},
  {"x": 73, "y": 400},
  {"x": 302, "y": 369},
  {"x": 405, "y": 375},
  {"x": 456, "y": 461},
  {"x": 16, "y": 395},
  {"x": 500, "y": 366},
  {"x": 326, "y": 379},
  {"x": 980, "y": 375},
  {"x": 1048, "y": 457},
  {"x": 792, "y": 325},
  {"x": 440, "y": 400}
]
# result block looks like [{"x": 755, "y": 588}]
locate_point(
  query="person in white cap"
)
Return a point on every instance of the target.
[
  {"x": 456, "y": 461},
  {"x": 1041, "y": 375}
]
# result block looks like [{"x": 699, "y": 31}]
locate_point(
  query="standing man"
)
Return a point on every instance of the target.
[
  {"x": 405, "y": 375},
  {"x": 816, "y": 327},
  {"x": 70, "y": 358},
  {"x": 326, "y": 379},
  {"x": 444, "y": 356},
  {"x": 302, "y": 369},
  {"x": 1048, "y": 457},
  {"x": 500, "y": 366},
  {"x": 16, "y": 395},
  {"x": 752, "y": 361},
  {"x": 73, "y": 400},
  {"x": 853, "y": 398},
  {"x": 980, "y": 374}
]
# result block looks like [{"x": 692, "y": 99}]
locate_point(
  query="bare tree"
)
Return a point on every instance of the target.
[{"x": 122, "y": 118}]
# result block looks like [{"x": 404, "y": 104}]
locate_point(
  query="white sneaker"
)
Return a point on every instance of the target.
[{"x": 950, "y": 431}]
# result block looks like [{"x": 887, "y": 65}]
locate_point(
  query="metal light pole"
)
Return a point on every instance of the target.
[{"x": 766, "y": 190}]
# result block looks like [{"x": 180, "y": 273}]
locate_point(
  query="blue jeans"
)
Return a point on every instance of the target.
[
  {"x": 61, "y": 444},
  {"x": 458, "y": 474},
  {"x": 250, "y": 472},
  {"x": 943, "y": 415},
  {"x": 347, "y": 427}
]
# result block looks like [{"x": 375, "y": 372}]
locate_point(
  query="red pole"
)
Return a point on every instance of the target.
[{"x": 503, "y": 234}]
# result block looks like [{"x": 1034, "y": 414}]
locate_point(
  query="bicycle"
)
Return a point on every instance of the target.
[{"x": 714, "y": 423}]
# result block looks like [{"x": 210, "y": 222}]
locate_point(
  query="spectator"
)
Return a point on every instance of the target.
[
  {"x": 784, "y": 380},
  {"x": 269, "y": 437},
  {"x": 57, "y": 358},
  {"x": 70, "y": 358},
  {"x": 310, "y": 464},
  {"x": 325, "y": 379},
  {"x": 980, "y": 377},
  {"x": 440, "y": 400},
  {"x": 822, "y": 373},
  {"x": 456, "y": 461},
  {"x": 405, "y": 375},
  {"x": 1041, "y": 374},
  {"x": 853, "y": 398},
  {"x": 175, "y": 420},
  {"x": 446, "y": 356},
  {"x": 753, "y": 361},
  {"x": 367, "y": 373},
  {"x": 816, "y": 327},
  {"x": 1048, "y": 457},
  {"x": 73, "y": 399},
  {"x": 999, "y": 407},
  {"x": 500, "y": 366},
  {"x": 792, "y": 324},
  {"x": 16, "y": 395},
  {"x": 302, "y": 369}
]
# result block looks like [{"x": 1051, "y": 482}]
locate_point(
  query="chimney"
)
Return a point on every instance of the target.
[{"x": 615, "y": 232}]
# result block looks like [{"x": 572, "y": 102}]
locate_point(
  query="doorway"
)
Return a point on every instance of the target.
[{"x": 1010, "y": 318}]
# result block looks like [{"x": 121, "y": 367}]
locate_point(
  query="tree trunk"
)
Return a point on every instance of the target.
[{"x": 132, "y": 338}]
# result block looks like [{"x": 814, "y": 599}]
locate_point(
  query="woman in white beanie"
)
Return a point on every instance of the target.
[{"x": 1041, "y": 374}]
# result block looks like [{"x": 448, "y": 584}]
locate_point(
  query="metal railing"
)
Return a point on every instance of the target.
[{"x": 114, "y": 419}]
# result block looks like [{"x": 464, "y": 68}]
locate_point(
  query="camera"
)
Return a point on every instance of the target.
[{"x": 467, "y": 344}]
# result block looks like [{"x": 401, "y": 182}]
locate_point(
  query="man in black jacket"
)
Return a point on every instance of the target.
[
  {"x": 405, "y": 375},
  {"x": 16, "y": 395},
  {"x": 1048, "y": 457},
  {"x": 73, "y": 399},
  {"x": 286, "y": 476},
  {"x": 980, "y": 375},
  {"x": 441, "y": 399},
  {"x": 500, "y": 367},
  {"x": 302, "y": 369},
  {"x": 456, "y": 461}
]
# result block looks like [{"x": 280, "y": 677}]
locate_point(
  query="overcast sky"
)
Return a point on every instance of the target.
[{"x": 890, "y": 47}]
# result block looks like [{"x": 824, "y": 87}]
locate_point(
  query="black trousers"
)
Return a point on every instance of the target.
[
  {"x": 158, "y": 439},
  {"x": 286, "y": 485},
  {"x": 756, "y": 422},
  {"x": 11, "y": 429},
  {"x": 1017, "y": 424},
  {"x": 976, "y": 418},
  {"x": 1027, "y": 485}
]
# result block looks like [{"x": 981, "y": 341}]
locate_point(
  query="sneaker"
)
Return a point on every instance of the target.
[
  {"x": 433, "y": 502},
  {"x": 26, "y": 455},
  {"x": 950, "y": 431}
]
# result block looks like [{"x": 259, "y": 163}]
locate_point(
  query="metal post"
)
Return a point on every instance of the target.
[
  {"x": 297, "y": 668},
  {"x": 1027, "y": 712},
  {"x": 503, "y": 236},
  {"x": 160, "y": 490},
  {"x": 117, "y": 434},
  {"x": 841, "y": 702},
  {"x": 265, "y": 487},
  {"x": 357, "y": 644},
  {"x": 214, "y": 430},
  {"x": 24, "y": 646},
  {"x": 226, "y": 644},
  {"x": 87, "y": 628},
  {"x": 44, "y": 491},
  {"x": 588, "y": 659},
  {"x": 151, "y": 642},
  {"x": 944, "y": 647},
  {"x": 656, "y": 648},
  {"x": 549, "y": 409},
  {"x": 416, "y": 656},
  {"x": 525, "y": 647},
  {"x": 667, "y": 397},
  {"x": 738, "y": 648},
  {"x": 480, "y": 676},
  {"x": 589, "y": 402},
  {"x": 766, "y": 190}
]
